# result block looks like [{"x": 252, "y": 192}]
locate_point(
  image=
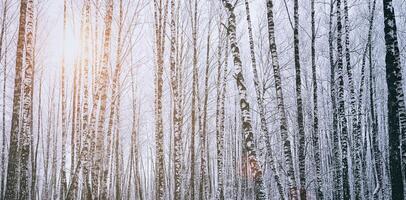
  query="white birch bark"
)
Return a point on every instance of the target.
[
  {"x": 396, "y": 104},
  {"x": 25, "y": 135},
  {"x": 287, "y": 151},
  {"x": 249, "y": 143},
  {"x": 12, "y": 165},
  {"x": 265, "y": 134}
]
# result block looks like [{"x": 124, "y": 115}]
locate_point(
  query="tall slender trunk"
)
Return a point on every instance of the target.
[
  {"x": 357, "y": 129},
  {"x": 3, "y": 40},
  {"x": 265, "y": 134},
  {"x": 76, "y": 132},
  {"x": 342, "y": 119},
  {"x": 356, "y": 146},
  {"x": 337, "y": 176},
  {"x": 47, "y": 144},
  {"x": 135, "y": 138},
  {"x": 376, "y": 151},
  {"x": 299, "y": 102},
  {"x": 101, "y": 94},
  {"x": 281, "y": 107},
  {"x": 114, "y": 103},
  {"x": 25, "y": 135},
  {"x": 175, "y": 106},
  {"x": 219, "y": 133},
  {"x": 63, "y": 183},
  {"x": 117, "y": 186},
  {"x": 160, "y": 15},
  {"x": 194, "y": 96},
  {"x": 74, "y": 125},
  {"x": 54, "y": 124},
  {"x": 203, "y": 135},
  {"x": 315, "y": 133},
  {"x": 365, "y": 149},
  {"x": 12, "y": 166},
  {"x": 180, "y": 53},
  {"x": 221, "y": 117},
  {"x": 396, "y": 104},
  {"x": 34, "y": 147},
  {"x": 84, "y": 156},
  {"x": 244, "y": 106}
]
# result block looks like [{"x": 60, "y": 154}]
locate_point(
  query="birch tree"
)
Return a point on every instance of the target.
[
  {"x": 175, "y": 104},
  {"x": 244, "y": 105},
  {"x": 396, "y": 105},
  {"x": 219, "y": 133},
  {"x": 114, "y": 104},
  {"x": 63, "y": 107},
  {"x": 342, "y": 119},
  {"x": 84, "y": 158},
  {"x": 337, "y": 175},
  {"x": 299, "y": 102},
  {"x": 195, "y": 75},
  {"x": 220, "y": 115},
  {"x": 280, "y": 102},
  {"x": 3, "y": 41},
  {"x": 160, "y": 14},
  {"x": 315, "y": 131},
  {"x": 12, "y": 167},
  {"x": 356, "y": 146},
  {"x": 265, "y": 134},
  {"x": 25, "y": 135},
  {"x": 101, "y": 94},
  {"x": 203, "y": 135},
  {"x": 376, "y": 151}
]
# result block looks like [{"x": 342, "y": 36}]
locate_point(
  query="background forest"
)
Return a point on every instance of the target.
[{"x": 188, "y": 99}]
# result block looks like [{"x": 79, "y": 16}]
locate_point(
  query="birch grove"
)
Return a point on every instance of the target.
[{"x": 172, "y": 99}]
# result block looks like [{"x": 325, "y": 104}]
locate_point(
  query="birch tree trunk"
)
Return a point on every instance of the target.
[
  {"x": 85, "y": 150},
  {"x": 34, "y": 147},
  {"x": 195, "y": 80},
  {"x": 203, "y": 135},
  {"x": 34, "y": 184},
  {"x": 25, "y": 135},
  {"x": 12, "y": 166},
  {"x": 62, "y": 189},
  {"x": 287, "y": 151},
  {"x": 221, "y": 84},
  {"x": 54, "y": 126},
  {"x": 341, "y": 107},
  {"x": 101, "y": 93},
  {"x": 114, "y": 98},
  {"x": 175, "y": 106},
  {"x": 299, "y": 102},
  {"x": 3, "y": 39},
  {"x": 244, "y": 106},
  {"x": 396, "y": 104},
  {"x": 337, "y": 176},
  {"x": 160, "y": 13},
  {"x": 135, "y": 139},
  {"x": 376, "y": 151},
  {"x": 118, "y": 161},
  {"x": 357, "y": 129},
  {"x": 265, "y": 134},
  {"x": 315, "y": 133},
  {"x": 356, "y": 147},
  {"x": 74, "y": 125}
]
